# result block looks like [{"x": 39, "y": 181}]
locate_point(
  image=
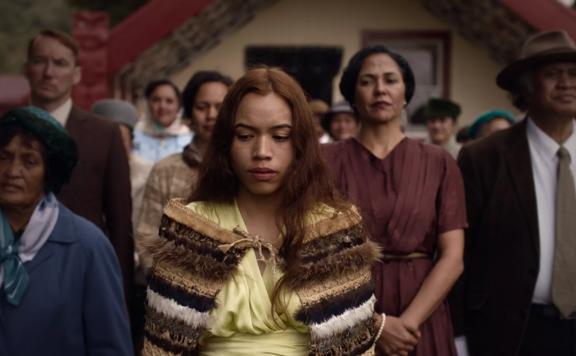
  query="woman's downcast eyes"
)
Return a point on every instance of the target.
[
  {"x": 281, "y": 138},
  {"x": 245, "y": 135}
]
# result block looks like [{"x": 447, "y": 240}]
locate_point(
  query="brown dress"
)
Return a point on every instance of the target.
[{"x": 406, "y": 200}]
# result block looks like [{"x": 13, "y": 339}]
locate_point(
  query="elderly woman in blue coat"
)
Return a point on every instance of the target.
[{"x": 60, "y": 283}]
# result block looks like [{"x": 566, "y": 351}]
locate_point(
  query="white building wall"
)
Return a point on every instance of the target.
[{"x": 340, "y": 23}]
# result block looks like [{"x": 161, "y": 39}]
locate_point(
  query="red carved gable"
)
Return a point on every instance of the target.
[
  {"x": 153, "y": 21},
  {"x": 544, "y": 15},
  {"x": 91, "y": 29}
]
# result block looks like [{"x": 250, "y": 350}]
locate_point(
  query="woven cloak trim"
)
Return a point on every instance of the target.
[
  {"x": 177, "y": 210},
  {"x": 321, "y": 311},
  {"x": 338, "y": 221},
  {"x": 171, "y": 309},
  {"x": 180, "y": 295},
  {"x": 347, "y": 320},
  {"x": 154, "y": 346}
]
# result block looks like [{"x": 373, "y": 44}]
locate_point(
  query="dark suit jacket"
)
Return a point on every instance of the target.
[
  {"x": 99, "y": 189},
  {"x": 502, "y": 252}
]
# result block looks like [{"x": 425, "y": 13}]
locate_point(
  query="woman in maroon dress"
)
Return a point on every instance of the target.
[{"x": 411, "y": 197}]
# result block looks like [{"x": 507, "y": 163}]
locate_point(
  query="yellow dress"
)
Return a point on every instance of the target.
[{"x": 243, "y": 322}]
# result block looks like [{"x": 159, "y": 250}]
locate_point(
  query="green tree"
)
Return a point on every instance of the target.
[
  {"x": 118, "y": 9},
  {"x": 20, "y": 20}
]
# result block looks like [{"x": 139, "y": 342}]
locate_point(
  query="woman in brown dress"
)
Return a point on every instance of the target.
[{"x": 411, "y": 197}]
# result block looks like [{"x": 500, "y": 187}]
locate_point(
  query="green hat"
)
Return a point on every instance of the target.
[
  {"x": 487, "y": 117},
  {"x": 61, "y": 150},
  {"x": 439, "y": 107}
]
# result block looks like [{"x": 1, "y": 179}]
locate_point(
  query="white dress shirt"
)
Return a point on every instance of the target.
[
  {"x": 62, "y": 112},
  {"x": 543, "y": 151}
]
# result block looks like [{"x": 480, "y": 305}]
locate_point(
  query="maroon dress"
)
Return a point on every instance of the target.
[{"x": 406, "y": 200}]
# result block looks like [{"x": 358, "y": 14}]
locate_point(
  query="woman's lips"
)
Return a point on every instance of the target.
[
  {"x": 262, "y": 174},
  {"x": 381, "y": 105}
]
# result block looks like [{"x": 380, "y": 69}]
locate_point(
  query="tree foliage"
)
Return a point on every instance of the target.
[
  {"x": 117, "y": 9},
  {"x": 20, "y": 20}
]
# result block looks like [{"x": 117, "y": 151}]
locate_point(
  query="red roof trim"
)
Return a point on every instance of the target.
[
  {"x": 14, "y": 89},
  {"x": 544, "y": 15},
  {"x": 147, "y": 26}
]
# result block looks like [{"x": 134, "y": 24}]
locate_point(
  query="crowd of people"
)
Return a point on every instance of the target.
[{"x": 243, "y": 218}]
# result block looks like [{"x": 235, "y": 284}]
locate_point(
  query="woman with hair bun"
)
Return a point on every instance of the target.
[{"x": 411, "y": 197}]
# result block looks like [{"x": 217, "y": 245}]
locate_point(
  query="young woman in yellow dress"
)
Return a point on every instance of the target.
[{"x": 265, "y": 259}]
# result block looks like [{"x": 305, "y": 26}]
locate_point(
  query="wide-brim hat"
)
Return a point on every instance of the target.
[{"x": 543, "y": 47}]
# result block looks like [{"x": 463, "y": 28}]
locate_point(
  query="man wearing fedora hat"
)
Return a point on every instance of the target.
[{"x": 518, "y": 294}]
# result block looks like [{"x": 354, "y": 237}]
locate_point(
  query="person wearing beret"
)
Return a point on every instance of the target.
[
  {"x": 518, "y": 292},
  {"x": 490, "y": 122},
  {"x": 60, "y": 282},
  {"x": 441, "y": 120},
  {"x": 99, "y": 188}
]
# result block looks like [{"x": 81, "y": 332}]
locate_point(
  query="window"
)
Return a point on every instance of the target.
[{"x": 313, "y": 66}]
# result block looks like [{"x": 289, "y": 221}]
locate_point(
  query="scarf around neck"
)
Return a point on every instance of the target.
[
  {"x": 14, "y": 253},
  {"x": 151, "y": 128}
]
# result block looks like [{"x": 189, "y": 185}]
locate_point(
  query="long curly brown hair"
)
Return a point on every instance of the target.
[{"x": 306, "y": 185}]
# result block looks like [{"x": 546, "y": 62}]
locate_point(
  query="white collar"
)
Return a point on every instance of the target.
[
  {"x": 62, "y": 112},
  {"x": 545, "y": 144}
]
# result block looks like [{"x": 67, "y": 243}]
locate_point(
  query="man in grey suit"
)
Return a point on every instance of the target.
[
  {"x": 519, "y": 286},
  {"x": 99, "y": 189}
]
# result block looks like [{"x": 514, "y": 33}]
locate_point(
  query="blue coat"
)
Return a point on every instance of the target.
[{"x": 74, "y": 304}]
